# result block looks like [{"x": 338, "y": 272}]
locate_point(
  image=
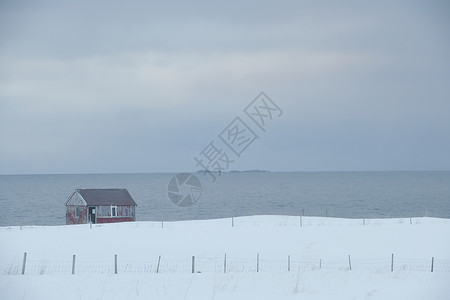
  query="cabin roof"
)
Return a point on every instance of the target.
[{"x": 101, "y": 197}]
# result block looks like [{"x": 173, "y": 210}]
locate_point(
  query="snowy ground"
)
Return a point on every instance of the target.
[{"x": 314, "y": 249}]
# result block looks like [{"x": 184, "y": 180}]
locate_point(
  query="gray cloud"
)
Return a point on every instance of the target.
[{"x": 114, "y": 87}]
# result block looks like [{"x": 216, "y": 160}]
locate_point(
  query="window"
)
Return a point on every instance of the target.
[
  {"x": 113, "y": 211},
  {"x": 77, "y": 212}
]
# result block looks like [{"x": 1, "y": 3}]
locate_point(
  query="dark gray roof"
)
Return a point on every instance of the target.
[{"x": 106, "y": 196}]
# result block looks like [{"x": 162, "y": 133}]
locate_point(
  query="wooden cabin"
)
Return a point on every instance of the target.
[{"x": 100, "y": 206}]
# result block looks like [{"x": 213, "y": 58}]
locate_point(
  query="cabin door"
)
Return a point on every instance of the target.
[{"x": 91, "y": 215}]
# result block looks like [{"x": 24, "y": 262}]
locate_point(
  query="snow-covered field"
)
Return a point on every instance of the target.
[{"x": 305, "y": 258}]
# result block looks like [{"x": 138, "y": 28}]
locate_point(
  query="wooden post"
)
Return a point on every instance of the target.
[
  {"x": 24, "y": 262},
  {"x": 392, "y": 262},
  {"x": 289, "y": 263},
  {"x": 232, "y": 222},
  {"x": 320, "y": 264},
  {"x": 225, "y": 264},
  {"x": 73, "y": 264},
  {"x": 162, "y": 224},
  {"x": 432, "y": 263},
  {"x": 115, "y": 263},
  {"x": 257, "y": 262},
  {"x": 193, "y": 264},
  {"x": 157, "y": 267},
  {"x": 301, "y": 223},
  {"x": 349, "y": 262}
]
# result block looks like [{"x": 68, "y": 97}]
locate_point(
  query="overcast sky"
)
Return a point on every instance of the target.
[{"x": 144, "y": 86}]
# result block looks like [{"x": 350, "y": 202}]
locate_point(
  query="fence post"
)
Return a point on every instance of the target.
[
  {"x": 392, "y": 262},
  {"x": 364, "y": 220},
  {"x": 410, "y": 220},
  {"x": 320, "y": 264},
  {"x": 301, "y": 223},
  {"x": 115, "y": 263},
  {"x": 193, "y": 264},
  {"x": 257, "y": 262},
  {"x": 289, "y": 262},
  {"x": 157, "y": 267},
  {"x": 24, "y": 262},
  {"x": 349, "y": 262},
  {"x": 225, "y": 264},
  {"x": 232, "y": 222},
  {"x": 432, "y": 263},
  {"x": 73, "y": 264},
  {"x": 162, "y": 224}
]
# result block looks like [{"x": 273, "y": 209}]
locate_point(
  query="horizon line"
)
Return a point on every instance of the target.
[{"x": 231, "y": 171}]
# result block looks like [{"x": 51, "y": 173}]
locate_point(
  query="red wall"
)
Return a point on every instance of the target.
[
  {"x": 83, "y": 219},
  {"x": 72, "y": 219},
  {"x": 115, "y": 219}
]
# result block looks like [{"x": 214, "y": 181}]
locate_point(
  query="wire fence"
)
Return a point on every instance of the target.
[
  {"x": 254, "y": 221},
  {"x": 225, "y": 264}
]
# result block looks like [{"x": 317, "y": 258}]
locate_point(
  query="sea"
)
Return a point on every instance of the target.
[{"x": 40, "y": 199}]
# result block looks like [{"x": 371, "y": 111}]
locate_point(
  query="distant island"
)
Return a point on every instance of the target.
[
  {"x": 236, "y": 171},
  {"x": 249, "y": 171}
]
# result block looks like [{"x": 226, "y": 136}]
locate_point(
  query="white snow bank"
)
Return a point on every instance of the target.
[
  {"x": 309, "y": 285},
  {"x": 317, "y": 248}
]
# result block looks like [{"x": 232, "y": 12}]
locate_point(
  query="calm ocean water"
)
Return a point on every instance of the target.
[{"x": 40, "y": 199}]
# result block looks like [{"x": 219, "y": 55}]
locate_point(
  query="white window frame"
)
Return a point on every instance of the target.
[{"x": 113, "y": 208}]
